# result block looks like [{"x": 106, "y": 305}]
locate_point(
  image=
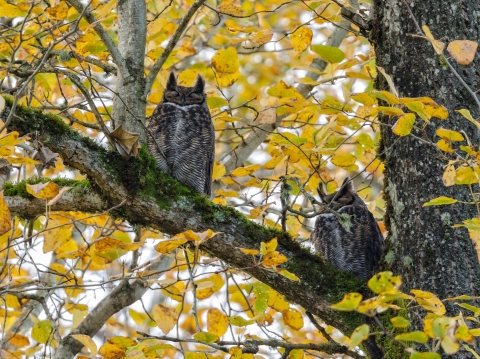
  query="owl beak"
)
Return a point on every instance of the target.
[{"x": 183, "y": 99}]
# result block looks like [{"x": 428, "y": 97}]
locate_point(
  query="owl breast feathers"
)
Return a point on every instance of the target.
[
  {"x": 358, "y": 250},
  {"x": 181, "y": 135}
]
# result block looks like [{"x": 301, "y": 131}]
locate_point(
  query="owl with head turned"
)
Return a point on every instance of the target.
[
  {"x": 181, "y": 135},
  {"x": 358, "y": 250}
]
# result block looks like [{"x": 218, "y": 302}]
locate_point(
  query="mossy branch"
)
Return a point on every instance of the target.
[{"x": 155, "y": 200}]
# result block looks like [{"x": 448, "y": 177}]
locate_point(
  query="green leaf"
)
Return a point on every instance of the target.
[
  {"x": 425, "y": 355},
  {"x": 475, "y": 310},
  {"x": 41, "y": 331},
  {"x": 261, "y": 297},
  {"x": 440, "y": 201},
  {"x": 329, "y": 53},
  {"x": 465, "y": 175},
  {"x": 206, "y": 337},
  {"x": 359, "y": 335},
  {"x": 400, "y": 322},
  {"x": 238, "y": 321},
  {"x": 465, "y": 113},
  {"x": 418, "y": 108},
  {"x": 383, "y": 282},
  {"x": 418, "y": 337},
  {"x": 349, "y": 302}
]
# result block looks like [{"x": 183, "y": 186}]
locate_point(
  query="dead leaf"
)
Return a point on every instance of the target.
[
  {"x": 126, "y": 142},
  {"x": 45, "y": 156},
  {"x": 463, "y": 51},
  {"x": 59, "y": 196},
  {"x": 267, "y": 116}
]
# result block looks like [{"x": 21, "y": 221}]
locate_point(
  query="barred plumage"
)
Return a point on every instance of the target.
[
  {"x": 357, "y": 251},
  {"x": 181, "y": 135}
]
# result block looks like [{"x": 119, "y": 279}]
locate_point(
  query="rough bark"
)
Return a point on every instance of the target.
[
  {"x": 129, "y": 105},
  {"x": 422, "y": 246}
]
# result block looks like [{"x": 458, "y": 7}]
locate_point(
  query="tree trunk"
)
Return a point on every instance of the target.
[
  {"x": 129, "y": 106},
  {"x": 422, "y": 246}
]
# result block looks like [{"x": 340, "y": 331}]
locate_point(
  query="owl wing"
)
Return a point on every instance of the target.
[
  {"x": 194, "y": 150},
  {"x": 358, "y": 250},
  {"x": 159, "y": 137}
]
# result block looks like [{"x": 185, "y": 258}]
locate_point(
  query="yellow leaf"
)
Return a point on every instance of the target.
[
  {"x": 58, "y": 12},
  {"x": 261, "y": 37},
  {"x": 106, "y": 9},
  {"x": 301, "y": 40},
  {"x": 249, "y": 251},
  {"x": 449, "y": 176},
  {"x": 228, "y": 7},
  {"x": 207, "y": 286},
  {"x": 167, "y": 246},
  {"x": 463, "y": 51},
  {"x": 466, "y": 113},
  {"x": 273, "y": 259},
  {"x": 218, "y": 170},
  {"x": 245, "y": 171},
  {"x": 188, "y": 77},
  {"x": 349, "y": 302},
  {"x": 293, "y": 318},
  {"x": 57, "y": 235},
  {"x": 226, "y": 79},
  {"x": 429, "y": 301},
  {"x": 343, "y": 160},
  {"x": 165, "y": 317},
  {"x": 217, "y": 322},
  {"x": 404, "y": 124},
  {"x": 269, "y": 246},
  {"x": 9, "y": 10},
  {"x": 445, "y": 146},
  {"x": 43, "y": 190},
  {"x": 18, "y": 341},
  {"x": 5, "y": 217},
  {"x": 364, "y": 98},
  {"x": 277, "y": 301},
  {"x": 438, "y": 46},
  {"x": 226, "y": 193},
  {"x": 111, "y": 351},
  {"x": 256, "y": 212},
  {"x": 226, "y": 61},
  {"x": 465, "y": 175},
  {"x": 449, "y": 135},
  {"x": 86, "y": 341}
]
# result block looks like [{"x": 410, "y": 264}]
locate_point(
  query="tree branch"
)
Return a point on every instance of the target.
[
  {"x": 122, "y": 296},
  {"x": 106, "y": 39},
  {"x": 171, "y": 45},
  {"x": 154, "y": 199}
]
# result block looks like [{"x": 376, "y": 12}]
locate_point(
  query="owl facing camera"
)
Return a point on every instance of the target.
[{"x": 181, "y": 136}]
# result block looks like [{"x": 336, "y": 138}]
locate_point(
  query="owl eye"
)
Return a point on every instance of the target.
[
  {"x": 196, "y": 96},
  {"x": 171, "y": 93}
]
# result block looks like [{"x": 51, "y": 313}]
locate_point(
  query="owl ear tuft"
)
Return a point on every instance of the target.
[
  {"x": 172, "y": 81},
  {"x": 200, "y": 84},
  {"x": 346, "y": 187},
  {"x": 321, "y": 193}
]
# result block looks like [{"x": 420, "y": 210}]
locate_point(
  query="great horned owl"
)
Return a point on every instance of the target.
[
  {"x": 357, "y": 251},
  {"x": 181, "y": 135}
]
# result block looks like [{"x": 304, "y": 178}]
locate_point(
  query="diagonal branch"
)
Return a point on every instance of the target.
[
  {"x": 155, "y": 200},
  {"x": 171, "y": 45},
  {"x": 106, "y": 39}
]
